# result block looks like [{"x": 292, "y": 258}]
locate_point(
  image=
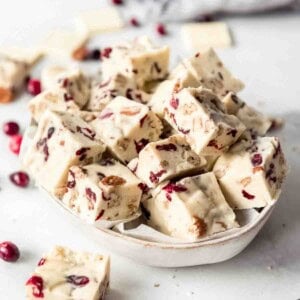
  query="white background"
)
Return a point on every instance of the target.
[{"x": 267, "y": 59}]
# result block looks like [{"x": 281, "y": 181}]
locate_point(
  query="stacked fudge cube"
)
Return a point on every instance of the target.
[{"x": 180, "y": 146}]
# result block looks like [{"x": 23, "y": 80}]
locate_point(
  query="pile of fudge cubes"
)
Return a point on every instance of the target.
[{"x": 179, "y": 146}]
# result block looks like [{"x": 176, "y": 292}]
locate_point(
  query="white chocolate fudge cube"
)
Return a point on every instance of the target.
[
  {"x": 167, "y": 159},
  {"x": 210, "y": 71},
  {"x": 118, "y": 85},
  {"x": 126, "y": 127},
  {"x": 140, "y": 60},
  {"x": 191, "y": 208},
  {"x": 61, "y": 141},
  {"x": 255, "y": 121},
  {"x": 251, "y": 173},
  {"x": 69, "y": 275},
  {"x": 104, "y": 191},
  {"x": 200, "y": 116}
]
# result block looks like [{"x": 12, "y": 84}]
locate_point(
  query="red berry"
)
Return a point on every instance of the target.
[
  {"x": 117, "y": 2},
  {"x": 106, "y": 52},
  {"x": 34, "y": 86},
  {"x": 134, "y": 22},
  {"x": 161, "y": 29},
  {"x": 20, "y": 179},
  {"x": 37, "y": 284},
  {"x": 9, "y": 252},
  {"x": 11, "y": 128},
  {"x": 15, "y": 143}
]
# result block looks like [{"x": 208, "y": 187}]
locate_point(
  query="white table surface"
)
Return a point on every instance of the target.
[{"x": 267, "y": 59}]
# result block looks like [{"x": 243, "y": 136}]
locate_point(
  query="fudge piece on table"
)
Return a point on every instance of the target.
[
  {"x": 191, "y": 208},
  {"x": 107, "y": 191},
  {"x": 251, "y": 173},
  {"x": 166, "y": 159},
  {"x": 61, "y": 141},
  {"x": 200, "y": 116},
  {"x": 139, "y": 60},
  {"x": 126, "y": 127},
  {"x": 65, "y": 274},
  {"x": 210, "y": 71}
]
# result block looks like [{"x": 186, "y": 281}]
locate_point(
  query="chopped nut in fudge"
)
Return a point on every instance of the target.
[
  {"x": 139, "y": 60},
  {"x": 250, "y": 117},
  {"x": 167, "y": 159},
  {"x": 200, "y": 116},
  {"x": 61, "y": 141},
  {"x": 191, "y": 208},
  {"x": 126, "y": 127},
  {"x": 104, "y": 191},
  {"x": 210, "y": 71},
  {"x": 252, "y": 172},
  {"x": 118, "y": 85},
  {"x": 66, "y": 274}
]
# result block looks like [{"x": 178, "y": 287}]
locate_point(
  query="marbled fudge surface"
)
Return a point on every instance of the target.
[
  {"x": 61, "y": 141},
  {"x": 252, "y": 172},
  {"x": 166, "y": 159},
  {"x": 191, "y": 208},
  {"x": 211, "y": 72},
  {"x": 200, "y": 116},
  {"x": 107, "y": 191},
  {"x": 140, "y": 60},
  {"x": 64, "y": 274},
  {"x": 126, "y": 127}
]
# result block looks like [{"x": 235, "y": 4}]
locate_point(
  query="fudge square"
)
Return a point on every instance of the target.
[
  {"x": 210, "y": 71},
  {"x": 166, "y": 159},
  {"x": 64, "y": 274},
  {"x": 200, "y": 116},
  {"x": 126, "y": 127},
  {"x": 107, "y": 191},
  {"x": 61, "y": 141},
  {"x": 140, "y": 60},
  {"x": 251, "y": 173},
  {"x": 191, "y": 208}
]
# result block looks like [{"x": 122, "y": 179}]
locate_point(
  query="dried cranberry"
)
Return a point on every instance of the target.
[
  {"x": 247, "y": 195},
  {"x": 182, "y": 130},
  {"x": 256, "y": 159},
  {"x": 15, "y": 143},
  {"x": 20, "y": 179},
  {"x": 174, "y": 102},
  {"x": 142, "y": 120},
  {"x": 87, "y": 132},
  {"x": 9, "y": 252},
  {"x": 50, "y": 132},
  {"x": 106, "y": 52},
  {"x": 139, "y": 145},
  {"x": 166, "y": 147},
  {"x": 174, "y": 187},
  {"x": 34, "y": 86},
  {"x": 91, "y": 196},
  {"x": 154, "y": 177},
  {"x": 117, "y": 2},
  {"x": 134, "y": 22},
  {"x": 78, "y": 280},
  {"x": 101, "y": 213},
  {"x": 144, "y": 187},
  {"x": 145, "y": 212},
  {"x": 11, "y": 128},
  {"x": 105, "y": 115},
  {"x": 41, "y": 262},
  {"x": 37, "y": 286},
  {"x": 81, "y": 151},
  {"x": 161, "y": 29},
  {"x": 213, "y": 143}
]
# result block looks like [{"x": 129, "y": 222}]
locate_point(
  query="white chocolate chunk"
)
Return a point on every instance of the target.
[
  {"x": 139, "y": 60},
  {"x": 202, "y": 36},
  {"x": 99, "y": 21},
  {"x": 167, "y": 159},
  {"x": 250, "y": 117},
  {"x": 63, "y": 43},
  {"x": 28, "y": 56},
  {"x": 200, "y": 116},
  {"x": 126, "y": 127},
  {"x": 118, "y": 85},
  {"x": 62, "y": 140},
  {"x": 251, "y": 173},
  {"x": 210, "y": 71},
  {"x": 104, "y": 191},
  {"x": 191, "y": 208},
  {"x": 66, "y": 274}
]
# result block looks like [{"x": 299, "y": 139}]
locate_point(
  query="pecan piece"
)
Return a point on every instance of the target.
[{"x": 113, "y": 180}]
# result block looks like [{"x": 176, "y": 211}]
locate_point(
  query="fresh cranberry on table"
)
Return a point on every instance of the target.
[
  {"x": 20, "y": 179},
  {"x": 9, "y": 252},
  {"x": 34, "y": 86},
  {"x": 15, "y": 143},
  {"x": 161, "y": 29},
  {"x": 11, "y": 128},
  {"x": 117, "y": 2}
]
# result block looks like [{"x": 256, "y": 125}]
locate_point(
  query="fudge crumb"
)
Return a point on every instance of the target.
[{"x": 156, "y": 285}]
